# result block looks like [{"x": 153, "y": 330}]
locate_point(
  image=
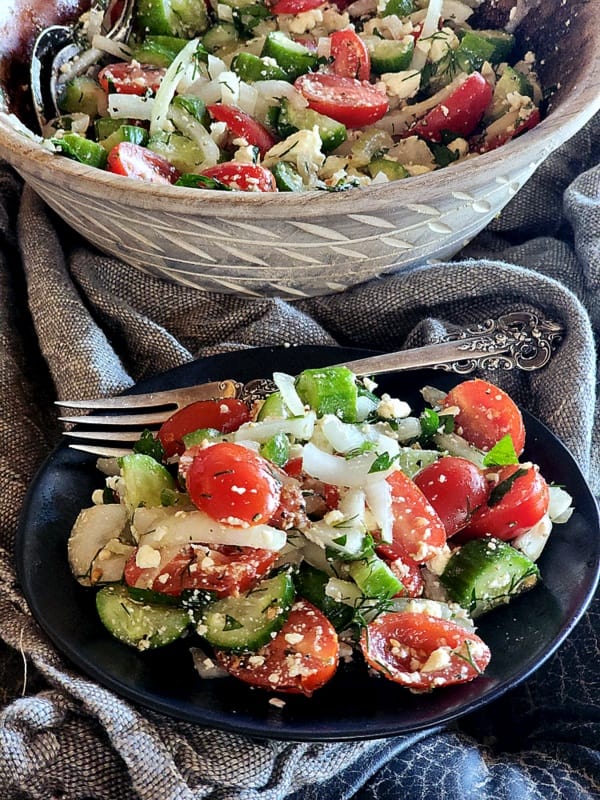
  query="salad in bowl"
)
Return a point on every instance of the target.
[
  {"x": 292, "y": 95},
  {"x": 321, "y": 525}
]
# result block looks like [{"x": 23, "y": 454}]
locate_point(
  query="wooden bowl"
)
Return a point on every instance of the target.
[{"x": 315, "y": 243}]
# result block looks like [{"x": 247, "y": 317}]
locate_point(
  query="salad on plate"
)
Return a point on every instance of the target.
[
  {"x": 292, "y": 95},
  {"x": 323, "y": 524}
]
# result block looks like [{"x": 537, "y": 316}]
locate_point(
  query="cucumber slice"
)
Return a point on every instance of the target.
[
  {"x": 252, "y": 68},
  {"x": 160, "y": 51},
  {"x": 294, "y": 58},
  {"x": 330, "y": 390},
  {"x": 140, "y": 625},
  {"x": 105, "y": 126},
  {"x": 221, "y": 35},
  {"x": 248, "y": 621},
  {"x": 147, "y": 483},
  {"x": 401, "y": 8},
  {"x": 84, "y": 95},
  {"x": 292, "y": 119},
  {"x": 81, "y": 149},
  {"x": 273, "y": 405},
  {"x": 485, "y": 573},
  {"x": 374, "y": 578},
  {"x": 390, "y": 55},
  {"x": 276, "y": 449},
  {"x": 183, "y": 19},
  {"x": 125, "y": 133},
  {"x": 510, "y": 81},
  {"x": 201, "y": 435},
  {"x": 310, "y": 584},
  {"x": 194, "y": 106},
  {"x": 393, "y": 170},
  {"x": 472, "y": 51},
  {"x": 287, "y": 177},
  {"x": 502, "y": 42},
  {"x": 180, "y": 151}
]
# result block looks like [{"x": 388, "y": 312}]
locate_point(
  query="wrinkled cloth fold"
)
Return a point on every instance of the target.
[{"x": 77, "y": 323}]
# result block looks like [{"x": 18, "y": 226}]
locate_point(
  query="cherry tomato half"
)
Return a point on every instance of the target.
[
  {"x": 242, "y": 126},
  {"x": 347, "y": 100},
  {"x": 351, "y": 57},
  {"x": 488, "y": 142},
  {"x": 131, "y": 78},
  {"x": 416, "y": 525},
  {"x": 456, "y": 488},
  {"x": 233, "y": 485},
  {"x": 243, "y": 177},
  {"x": 135, "y": 161},
  {"x": 222, "y": 569},
  {"x": 487, "y": 414},
  {"x": 458, "y": 113},
  {"x": 423, "y": 652},
  {"x": 295, "y": 6},
  {"x": 223, "y": 415},
  {"x": 514, "y": 511},
  {"x": 300, "y": 659}
]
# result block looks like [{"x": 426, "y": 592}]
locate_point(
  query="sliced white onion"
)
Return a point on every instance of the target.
[
  {"x": 195, "y": 131},
  {"x": 286, "y": 385},
  {"x": 378, "y": 493},
  {"x": 327, "y": 536},
  {"x": 299, "y": 427},
  {"x": 432, "y": 18},
  {"x": 561, "y": 505},
  {"x": 352, "y": 504},
  {"x": 353, "y": 472},
  {"x": 341, "y": 591},
  {"x": 117, "y": 49},
  {"x": 455, "y": 445},
  {"x": 168, "y": 87},
  {"x": 125, "y": 106},
  {"x": 165, "y": 527},
  {"x": 532, "y": 542},
  {"x": 205, "y": 666},
  {"x": 96, "y": 555},
  {"x": 342, "y": 436},
  {"x": 364, "y": 406}
]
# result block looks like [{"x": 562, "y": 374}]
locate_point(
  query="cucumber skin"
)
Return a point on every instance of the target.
[
  {"x": 140, "y": 625},
  {"x": 310, "y": 584},
  {"x": 330, "y": 390},
  {"x": 278, "y": 590},
  {"x": 479, "y": 562}
]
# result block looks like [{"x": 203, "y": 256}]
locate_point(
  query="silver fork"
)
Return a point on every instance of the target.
[{"x": 518, "y": 340}]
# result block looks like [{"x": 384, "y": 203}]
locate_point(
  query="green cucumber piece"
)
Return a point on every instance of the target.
[
  {"x": 390, "y": 55},
  {"x": 221, "y": 35},
  {"x": 393, "y": 170},
  {"x": 330, "y": 390},
  {"x": 194, "y": 106},
  {"x": 374, "y": 578},
  {"x": 273, "y": 405},
  {"x": 125, "y": 133},
  {"x": 484, "y": 573},
  {"x": 472, "y": 51},
  {"x": 502, "y": 41},
  {"x": 401, "y": 8},
  {"x": 84, "y": 95},
  {"x": 252, "y": 68},
  {"x": 140, "y": 625},
  {"x": 294, "y": 58},
  {"x": 180, "y": 151},
  {"x": 292, "y": 119},
  {"x": 183, "y": 19},
  {"x": 287, "y": 177},
  {"x": 310, "y": 584},
  {"x": 160, "y": 51},
  {"x": 147, "y": 483},
  {"x": 510, "y": 81},
  {"x": 276, "y": 449},
  {"x": 81, "y": 149},
  {"x": 201, "y": 435},
  {"x": 248, "y": 621},
  {"x": 193, "y": 181},
  {"x": 105, "y": 126}
]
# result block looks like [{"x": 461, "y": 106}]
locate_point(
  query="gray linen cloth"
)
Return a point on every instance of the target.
[{"x": 76, "y": 323}]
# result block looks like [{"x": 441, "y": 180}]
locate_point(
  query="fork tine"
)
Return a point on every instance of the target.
[
  {"x": 120, "y": 419},
  {"x": 105, "y": 452},
  {"x": 170, "y": 397},
  {"x": 105, "y": 436}
]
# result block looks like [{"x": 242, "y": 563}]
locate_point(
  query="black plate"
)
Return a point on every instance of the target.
[{"x": 353, "y": 705}]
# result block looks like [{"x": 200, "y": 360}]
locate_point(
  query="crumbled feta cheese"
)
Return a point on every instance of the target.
[{"x": 147, "y": 557}]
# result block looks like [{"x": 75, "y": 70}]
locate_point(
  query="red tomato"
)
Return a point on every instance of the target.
[
  {"x": 490, "y": 143},
  {"x": 135, "y": 161},
  {"x": 287, "y": 665},
  {"x": 520, "y": 508},
  {"x": 295, "y": 6},
  {"x": 487, "y": 414},
  {"x": 416, "y": 525},
  {"x": 455, "y": 488},
  {"x": 242, "y": 126},
  {"x": 233, "y": 485},
  {"x": 347, "y": 100},
  {"x": 130, "y": 78},
  {"x": 351, "y": 57},
  {"x": 222, "y": 569},
  {"x": 400, "y": 645},
  {"x": 458, "y": 113},
  {"x": 243, "y": 177},
  {"x": 223, "y": 415},
  {"x": 404, "y": 568}
]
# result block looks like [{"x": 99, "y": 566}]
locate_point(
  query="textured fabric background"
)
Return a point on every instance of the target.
[{"x": 75, "y": 323}]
